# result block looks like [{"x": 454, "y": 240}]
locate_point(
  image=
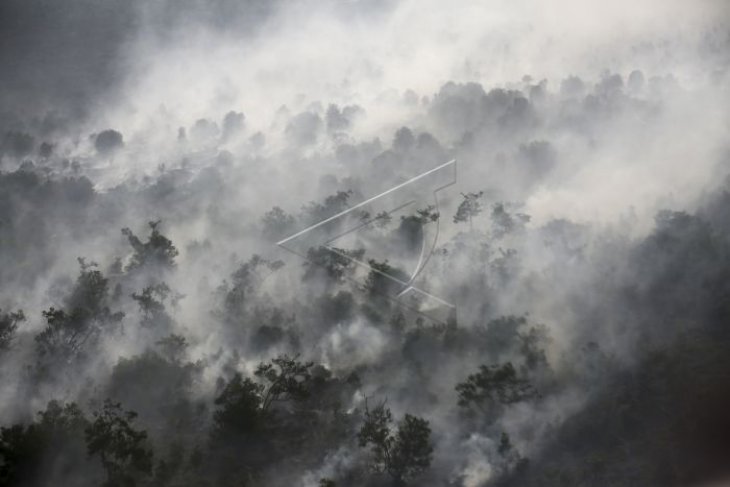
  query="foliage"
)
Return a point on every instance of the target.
[
  {"x": 286, "y": 378},
  {"x": 332, "y": 205},
  {"x": 469, "y": 207},
  {"x": 121, "y": 448},
  {"x": 8, "y": 326},
  {"x": 494, "y": 385},
  {"x": 157, "y": 253},
  {"x": 246, "y": 281},
  {"x": 27, "y": 450},
  {"x": 334, "y": 263},
  {"x": 244, "y": 406},
  {"x": 151, "y": 304},
  {"x": 276, "y": 224},
  {"x": 68, "y": 330},
  {"x": 403, "y": 453},
  {"x": 238, "y": 409}
]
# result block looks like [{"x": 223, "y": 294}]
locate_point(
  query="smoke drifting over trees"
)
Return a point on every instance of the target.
[{"x": 153, "y": 333}]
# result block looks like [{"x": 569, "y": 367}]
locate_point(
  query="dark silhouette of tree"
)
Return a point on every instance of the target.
[
  {"x": 233, "y": 124},
  {"x": 157, "y": 253},
  {"x": 410, "y": 229},
  {"x": 403, "y": 453},
  {"x": 158, "y": 388},
  {"x": 238, "y": 409},
  {"x": 403, "y": 140},
  {"x": 332, "y": 205},
  {"x": 286, "y": 380},
  {"x": 86, "y": 314},
  {"x": 245, "y": 284},
  {"x": 469, "y": 207},
  {"x": 55, "y": 439},
  {"x": 151, "y": 304},
  {"x": 383, "y": 279},
  {"x": 494, "y": 386},
  {"x": 173, "y": 347},
  {"x": 334, "y": 263},
  {"x": 8, "y": 327},
  {"x": 108, "y": 141},
  {"x": 531, "y": 347},
  {"x": 122, "y": 449},
  {"x": 504, "y": 222},
  {"x": 244, "y": 405}
]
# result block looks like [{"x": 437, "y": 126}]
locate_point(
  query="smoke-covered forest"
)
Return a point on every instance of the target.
[{"x": 569, "y": 323}]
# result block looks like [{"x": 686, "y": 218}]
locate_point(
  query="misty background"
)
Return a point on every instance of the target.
[{"x": 152, "y": 154}]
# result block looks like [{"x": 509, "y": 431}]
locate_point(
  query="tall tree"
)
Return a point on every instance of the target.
[
  {"x": 469, "y": 208},
  {"x": 494, "y": 386},
  {"x": 157, "y": 253},
  {"x": 402, "y": 453},
  {"x": 122, "y": 448}
]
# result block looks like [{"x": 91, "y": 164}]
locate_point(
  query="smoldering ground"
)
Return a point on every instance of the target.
[{"x": 584, "y": 244}]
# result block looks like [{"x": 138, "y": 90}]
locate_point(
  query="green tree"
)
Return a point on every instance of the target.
[{"x": 403, "y": 453}]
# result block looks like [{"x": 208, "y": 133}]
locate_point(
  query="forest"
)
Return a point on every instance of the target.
[{"x": 569, "y": 328}]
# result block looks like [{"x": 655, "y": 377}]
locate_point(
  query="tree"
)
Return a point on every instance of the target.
[
  {"x": 152, "y": 305},
  {"x": 316, "y": 212},
  {"x": 410, "y": 229},
  {"x": 494, "y": 386},
  {"x": 173, "y": 347},
  {"x": 233, "y": 124},
  {"x": 335, "y": 263},
  {"x": 531, "y": 347},
  {"x": 276, "y": 224},
  {"x": 158, "y": 388},
  {"x": 108, "y": 141},
  {"x": 8, "y": 327},
  {"x": 157, "y": 253},
  {"x": 287, "y": 380},
  {"x": 87, "y": 312},
  {"x": 244, "y": 405},
  {"x": 55, "y": 438},
  {"x": 469, "y": 208},
  {"x": 121, "y": 448},
  {"x": 238, "y": 409},
  {"x": 383, "y": 278},
  {"x": 245, "y": 283},
  {"x": 504, "y": 222},
  {"x": 402, "y": 454}
]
